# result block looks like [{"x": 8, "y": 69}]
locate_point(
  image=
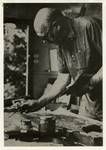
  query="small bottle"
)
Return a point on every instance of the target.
[{"x": 42, "y": 127}]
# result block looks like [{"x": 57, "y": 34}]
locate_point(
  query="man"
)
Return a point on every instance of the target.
[{"x": 80, "y": 54}]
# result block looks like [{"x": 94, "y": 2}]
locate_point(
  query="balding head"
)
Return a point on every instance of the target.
[
  {"x": 51, "y": 25},
  {"x": 41, "y": 22}
]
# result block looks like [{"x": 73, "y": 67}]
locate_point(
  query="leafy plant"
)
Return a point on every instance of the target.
[{"x": 15, "y": 42}]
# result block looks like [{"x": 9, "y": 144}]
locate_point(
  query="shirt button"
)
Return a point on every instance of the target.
[
  {"x": 79, "y": 51},
  {"x": 73, "y": 56}
]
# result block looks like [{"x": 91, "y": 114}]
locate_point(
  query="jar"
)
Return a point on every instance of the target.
[{"x": 46, "y": 126}]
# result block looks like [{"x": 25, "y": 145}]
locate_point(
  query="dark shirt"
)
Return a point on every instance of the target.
[{"x": 84, "y": 52}]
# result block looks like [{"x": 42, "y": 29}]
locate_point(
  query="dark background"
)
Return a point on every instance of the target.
[{"x": 26, "y": 11}]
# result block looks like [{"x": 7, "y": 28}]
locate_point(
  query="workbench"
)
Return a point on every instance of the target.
[{"x": 64, "y": 119}]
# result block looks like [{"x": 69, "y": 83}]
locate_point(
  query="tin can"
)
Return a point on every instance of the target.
[
  {"x": 46, "y": 126},
  {"x": 25, "y": 126}
]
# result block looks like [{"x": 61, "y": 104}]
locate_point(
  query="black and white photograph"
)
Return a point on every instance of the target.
[{"x": 53, "y": 77}]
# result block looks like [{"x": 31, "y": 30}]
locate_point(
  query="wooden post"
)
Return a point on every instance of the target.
[{"x": 27, "y": 60}]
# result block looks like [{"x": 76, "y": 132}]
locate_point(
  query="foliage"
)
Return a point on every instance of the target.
[{"x": 15, "y": 41}]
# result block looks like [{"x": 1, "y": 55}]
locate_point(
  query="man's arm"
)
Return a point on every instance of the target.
[
  {"x": 61, "y": 82},
  {"x": 97, "y": 78},
  {"x": 85, "y": 83}
]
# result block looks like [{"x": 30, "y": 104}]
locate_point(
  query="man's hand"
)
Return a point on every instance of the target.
[
  {"x": 30, "y": 106},
  {"x": 79, "y": 91},
  {"x": 81, "y": 86}
]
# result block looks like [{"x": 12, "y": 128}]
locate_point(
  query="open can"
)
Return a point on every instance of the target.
[{"x": 47, "y": 126}]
